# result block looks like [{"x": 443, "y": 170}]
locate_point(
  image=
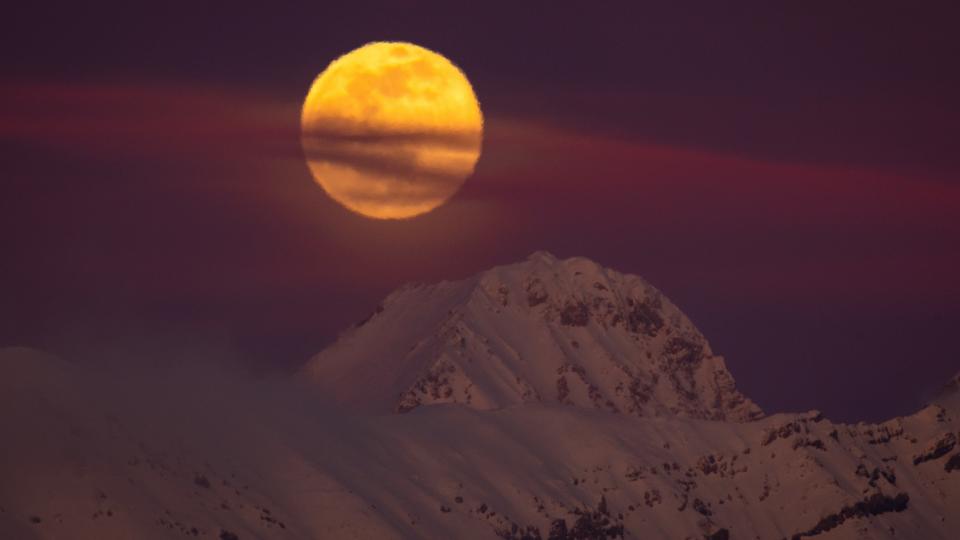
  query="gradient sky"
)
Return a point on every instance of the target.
[{"x": 789, "y": 176}]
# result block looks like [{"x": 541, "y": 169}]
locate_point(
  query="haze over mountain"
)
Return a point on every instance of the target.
[{"x": 549, "y": 399}]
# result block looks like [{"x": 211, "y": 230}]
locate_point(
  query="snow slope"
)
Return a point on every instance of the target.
[
  {"x": 542, "y": 330},
  {"x": 108, "y": 456}
]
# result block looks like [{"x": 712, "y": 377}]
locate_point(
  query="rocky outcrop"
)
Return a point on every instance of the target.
[
  {"x": 937, "y": 449},
  {"x": 873, "y": 505}
]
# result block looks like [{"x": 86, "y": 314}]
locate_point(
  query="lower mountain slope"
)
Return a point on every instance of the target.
[{"x": 213, "y": 456}]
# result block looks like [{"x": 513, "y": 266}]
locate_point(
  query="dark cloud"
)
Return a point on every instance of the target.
[
  {"x": 397, "y": 156},
  {"x": 448, "y": 139}
]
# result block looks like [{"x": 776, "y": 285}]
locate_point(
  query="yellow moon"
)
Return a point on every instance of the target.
[{"x": 391, "y": 130}]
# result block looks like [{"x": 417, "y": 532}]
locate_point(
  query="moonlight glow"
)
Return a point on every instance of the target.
[{"x": 391, "y": 130}]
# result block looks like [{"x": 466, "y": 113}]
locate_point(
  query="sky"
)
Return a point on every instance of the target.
[{"x": 788, "y": 175}]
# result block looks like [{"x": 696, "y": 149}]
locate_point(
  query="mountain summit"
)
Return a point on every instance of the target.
[{"x": 541, "y": 330}]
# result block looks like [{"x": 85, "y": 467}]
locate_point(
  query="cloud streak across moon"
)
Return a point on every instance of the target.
[{"x": 391, "y": 130}]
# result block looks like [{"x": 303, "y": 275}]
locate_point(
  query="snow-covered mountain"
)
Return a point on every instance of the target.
[
  {"x": 542, "y": 330},
  {"x": 492, "y": 445}
]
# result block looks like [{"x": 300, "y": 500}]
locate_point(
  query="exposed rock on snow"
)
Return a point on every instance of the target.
[
  {"x": 542, "y": 330},
  {"x": 874, "y": 505},
  {"x": 937, "y": 449}
]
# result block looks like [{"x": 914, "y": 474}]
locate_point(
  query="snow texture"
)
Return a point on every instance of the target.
[{"x": 543, "y": 330}]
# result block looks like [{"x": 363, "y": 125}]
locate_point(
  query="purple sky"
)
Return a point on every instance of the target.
[{"x": 789, "y": 177}]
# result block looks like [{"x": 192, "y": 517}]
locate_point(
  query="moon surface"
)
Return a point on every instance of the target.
[{"x": 391, "y": 130}]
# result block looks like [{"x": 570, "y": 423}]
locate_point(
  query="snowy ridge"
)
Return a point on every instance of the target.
[{"x": 542, "y": 330}]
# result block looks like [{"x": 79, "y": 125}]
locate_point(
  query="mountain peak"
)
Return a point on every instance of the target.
[
  {"x": 542, "y": 255},
  {"x": 949, "y": 394},
  {"x": 541, "y": 330}
]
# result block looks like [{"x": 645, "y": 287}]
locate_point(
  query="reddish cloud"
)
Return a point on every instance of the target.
[
  {"x": 725, "y": 223},
  {"x": 112, "y": 121},
  {"x": 749, "y": 226}
]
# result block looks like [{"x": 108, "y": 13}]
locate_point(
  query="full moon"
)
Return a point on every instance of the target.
[{"x": 391, "y": 130}]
